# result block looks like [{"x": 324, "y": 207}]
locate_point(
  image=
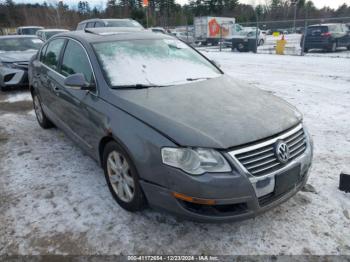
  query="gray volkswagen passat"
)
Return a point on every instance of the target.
[{"x": 169, "y": 128}]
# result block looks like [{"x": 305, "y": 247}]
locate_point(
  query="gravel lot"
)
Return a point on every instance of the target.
[{"x": 54, "y": 199}]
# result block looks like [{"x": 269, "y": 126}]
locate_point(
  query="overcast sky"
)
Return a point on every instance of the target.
[{"x": 318, "y": 3}]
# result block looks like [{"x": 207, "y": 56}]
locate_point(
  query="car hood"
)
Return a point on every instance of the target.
[
  {"x": 11, "y": 57},
  {"x": 217, "y": 113}
]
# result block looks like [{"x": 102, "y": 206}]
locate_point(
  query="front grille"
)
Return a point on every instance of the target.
[{"x": 260, "y": 159}]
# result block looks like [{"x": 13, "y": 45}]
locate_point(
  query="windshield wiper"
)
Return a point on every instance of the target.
[
  {"x": 198, "y": 78},
  {"x": 136, "y": 86}
]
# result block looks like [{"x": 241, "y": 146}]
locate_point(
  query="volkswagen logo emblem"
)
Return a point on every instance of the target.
[{"x": 282, "y": 151}]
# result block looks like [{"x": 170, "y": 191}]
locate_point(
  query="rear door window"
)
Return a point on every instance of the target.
[
  {"x": 52, "y": 54},
  {"x": 90, "y": 25},
  {"x": 99, "y": 24}
]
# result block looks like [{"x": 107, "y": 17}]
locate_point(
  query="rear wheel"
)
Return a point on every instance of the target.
[
  {"x": 333, "y": 47},
  {"x": 122, "y": 178},
  {"x": 43, "y": 121}
]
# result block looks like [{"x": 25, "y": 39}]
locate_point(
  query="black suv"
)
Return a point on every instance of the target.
[{"x": 327, "y": 36}]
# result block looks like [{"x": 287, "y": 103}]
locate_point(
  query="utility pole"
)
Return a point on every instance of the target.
[{"x": 295, "y": 3}]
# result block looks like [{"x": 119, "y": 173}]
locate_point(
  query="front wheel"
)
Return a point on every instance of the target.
[
  {"x": 43, "y": 121},
  {"x": 242, "y": 48},
  {"x": 122, "y": 178}
]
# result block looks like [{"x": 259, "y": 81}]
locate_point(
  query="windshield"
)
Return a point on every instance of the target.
[
  {"x": 29, "y": 31},
  {"x": 51, "y": 34},
  {"x": 20, "y": 44},
  {"x": 123, "y": 23},
  {"x": 152, "y": 62}
]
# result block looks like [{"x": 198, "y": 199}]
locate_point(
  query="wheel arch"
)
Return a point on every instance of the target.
[{"x": 103, "y": 142}]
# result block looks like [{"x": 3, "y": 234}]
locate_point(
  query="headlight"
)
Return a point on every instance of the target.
[
  {"x": 195, "y": 161},
  {"x": 7, "y": 65}
]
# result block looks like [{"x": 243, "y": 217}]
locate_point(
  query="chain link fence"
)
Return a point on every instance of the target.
[{"x": 324, "y": 37}]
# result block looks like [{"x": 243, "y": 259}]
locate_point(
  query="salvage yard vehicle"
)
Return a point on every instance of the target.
[
  {"x": 96, "y": 22},
  {"x": 327, "y": 37},
  {"x": 245, "y": 40},
  {"x": 28, "y": 30},
  {"x": 15, "y": 53},
  {"x": 46, "y": 34},
  {"x": 168, "y": 127},
  {"x": 210, "y": 30}
]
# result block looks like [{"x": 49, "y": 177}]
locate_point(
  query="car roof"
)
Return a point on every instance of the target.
[
  {"x": 104, "y": 20},
  {"x": 23, "y": 27},
  {"x": 325, "y": 24},
  {"x": 17, "y": 36},
  {"x": 105, "y": 34},
  {"x": 53, "y": 30}
]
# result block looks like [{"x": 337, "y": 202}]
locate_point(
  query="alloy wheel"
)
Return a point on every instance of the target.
[
  {"x": 119, "y": 175},
  {"x": 38, "y": 109}
]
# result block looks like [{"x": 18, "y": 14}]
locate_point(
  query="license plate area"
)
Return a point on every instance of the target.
[
  {"x": 287, "y": 180},
  {"x": 284, "y": 183}
]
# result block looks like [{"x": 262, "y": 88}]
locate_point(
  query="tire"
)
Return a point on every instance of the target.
[
  {"x": 349, "y": 47},
  {"x": 333, "y": 48},
  {"x": 42, "y": 119},
  {"x": 306, "y": 50},
  {"x": 241, "y": 47},
  {"x": 261, "y": 42},
  {"x": 3, "y": 88},
  {"x": 122, "y": 178}
]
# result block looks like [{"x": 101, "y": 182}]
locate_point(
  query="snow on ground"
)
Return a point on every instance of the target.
[
  {"x": 17, "y": 97},
  {"x": 54, "y": 199}
]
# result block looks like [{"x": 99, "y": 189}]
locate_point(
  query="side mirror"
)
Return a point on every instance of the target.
[
  {"x": 78, "y": 82},
  {"x": 216, "y": 63}
]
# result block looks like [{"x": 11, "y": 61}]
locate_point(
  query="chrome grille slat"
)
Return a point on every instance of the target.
[
  {"x": 260, "y": 159},
  {"x": 294, "y": 136},
  {"x": 261, "y": 164},
  {"x": 297, "y": 147},
  {"x": 255, "y": 154},
  {"x": 296, "y": 142},
  {"x": 298, "y": 152}
]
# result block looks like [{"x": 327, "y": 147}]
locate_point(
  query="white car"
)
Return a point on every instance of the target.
[
  {"x": 251, "y": 32},
  {"x": 46, "y": 34}
]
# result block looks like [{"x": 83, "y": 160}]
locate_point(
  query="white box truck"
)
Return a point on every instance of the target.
[{"x": 210, "y": 29}]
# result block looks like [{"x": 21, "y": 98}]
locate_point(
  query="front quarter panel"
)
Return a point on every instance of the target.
[{"x": 142, "y": 143}]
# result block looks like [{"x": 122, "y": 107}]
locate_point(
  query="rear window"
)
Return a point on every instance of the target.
[
  {"x": 29, "y": 31},
  {"x": 20, "y": 44},
  {"x": 123, "y": 23},
  {"x": 80, "y": 26},
  {"x": 317, "y": 30}
]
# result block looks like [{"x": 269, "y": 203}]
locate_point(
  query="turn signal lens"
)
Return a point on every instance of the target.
[{"x": 201, "y": 201}]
